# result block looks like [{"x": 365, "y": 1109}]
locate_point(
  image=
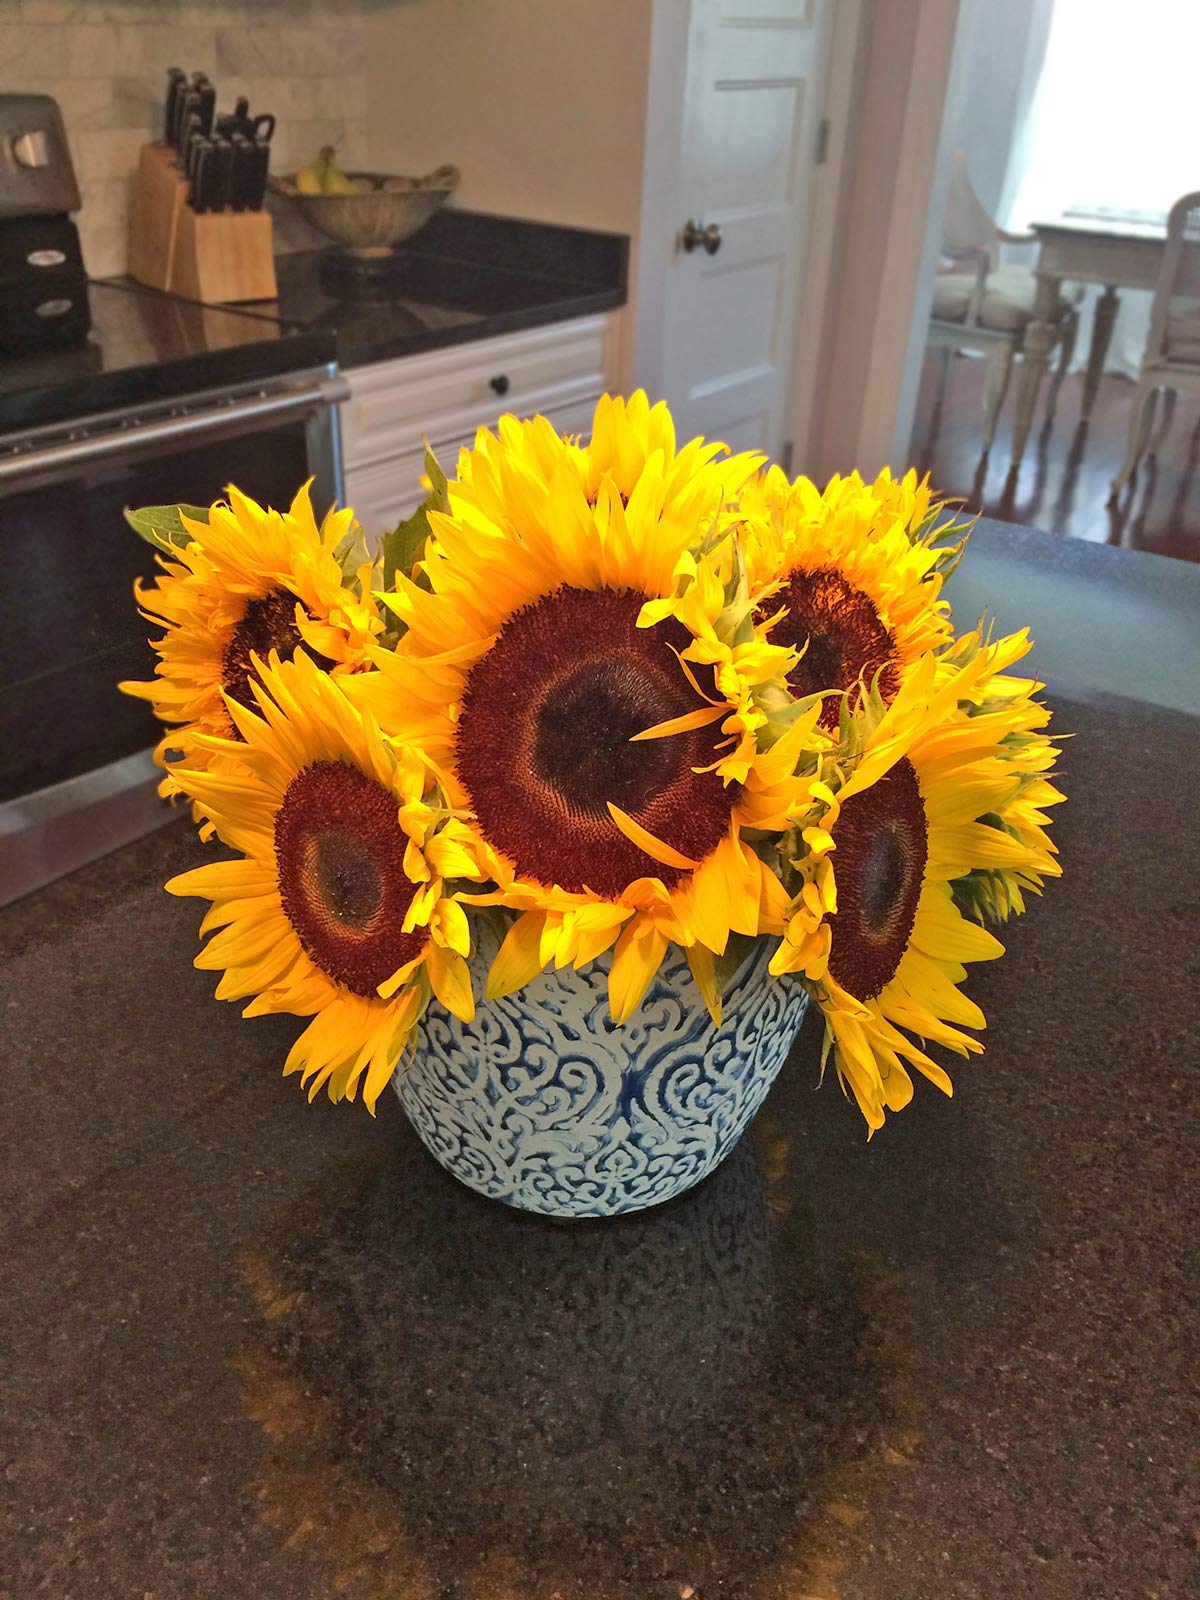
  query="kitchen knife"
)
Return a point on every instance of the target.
[
  {"x": 188, "y": 105},
  {"x": 262, "y": 127},
  {"x": 191, "y": 163},
  {"x": 235, "y": 121},
  {"x": 241, "y": 172},
  {"x": 199, "y": 173},
  {"x": 176, "y": 78},
  {"x": 208, "y": 100},
  {"x": 219, "y": 171},
  {"x": 260, "y": 161}
]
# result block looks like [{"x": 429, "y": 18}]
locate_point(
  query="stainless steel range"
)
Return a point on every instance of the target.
[{"x": 166, "y": 401}]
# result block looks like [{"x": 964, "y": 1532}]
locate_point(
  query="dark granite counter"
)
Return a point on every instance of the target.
[
  {"x": 258, "y": 1347},
  {"x": 465, "y": 276},
  {"x": 147, "y": 348}
]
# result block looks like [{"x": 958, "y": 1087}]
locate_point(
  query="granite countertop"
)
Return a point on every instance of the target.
[
  {"x": 465, "y": 276},
  {"x": 146, "y": 348},
  {"x": 261, "y": 1347}
]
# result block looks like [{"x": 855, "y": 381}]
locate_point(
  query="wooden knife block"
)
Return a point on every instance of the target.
[{"x": 208, "y": 255}]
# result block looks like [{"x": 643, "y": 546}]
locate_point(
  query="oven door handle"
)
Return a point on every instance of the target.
[{"x": 130, "y": 443}]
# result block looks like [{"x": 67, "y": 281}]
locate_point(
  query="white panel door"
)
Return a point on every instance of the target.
[{"x": 750, "y": 125}]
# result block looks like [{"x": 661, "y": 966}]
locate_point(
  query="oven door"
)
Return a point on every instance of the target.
[{"x": 76, "y": 778}]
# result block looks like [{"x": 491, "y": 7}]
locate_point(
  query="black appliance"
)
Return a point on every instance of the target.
[
  {"x": 43, "y": 285},
  {"x": 167, "y": 401}
]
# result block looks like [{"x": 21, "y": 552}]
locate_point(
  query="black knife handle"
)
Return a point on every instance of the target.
[
  {"x": 261, "y": 152},
  {"x": 187, "y": 106},
  {"x": 221, "y": 169},
  {"x": 241, "y": 171},
  {"x": 262, "y": 127},
  {"x": 208, "y": 106},
  {"x": 176, "y": 78},
  {"x": 200, "y": 175}
]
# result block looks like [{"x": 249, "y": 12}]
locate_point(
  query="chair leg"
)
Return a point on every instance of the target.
[
  {"x": 1170, "y": 396},
  {"x": 1139, "y": 432},
  {"x": 1066, "y": 352},
  {"x": 999, "y": 370}
]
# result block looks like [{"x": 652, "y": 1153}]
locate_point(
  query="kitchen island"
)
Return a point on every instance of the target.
[{"x": 261, "y": 1347}]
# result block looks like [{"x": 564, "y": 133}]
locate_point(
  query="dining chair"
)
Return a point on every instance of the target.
[
  {"x": 1172, "y": 358},
  {"x": 986, "y": 311}
]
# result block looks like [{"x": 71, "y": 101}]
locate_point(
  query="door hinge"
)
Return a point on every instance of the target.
[
  {"x": 822, "y": 141},
  {"x": 785, "y": 459}
]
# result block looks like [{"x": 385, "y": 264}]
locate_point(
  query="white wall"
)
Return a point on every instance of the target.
[
  {"x": 901, "y": 75},
  {"x": 541, "y": 103}
]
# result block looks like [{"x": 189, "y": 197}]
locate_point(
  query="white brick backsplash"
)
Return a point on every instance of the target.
[
  {"x": 30, "y": 52},
  {"x": 109, "y": 153},
  {"x": 96, "y": 11},
  {"x": 117, "y": 51},
  {"x": 306, "y": 138},
  {"x": 105, "y": 63},
  {"x": 106, "y": 250}
]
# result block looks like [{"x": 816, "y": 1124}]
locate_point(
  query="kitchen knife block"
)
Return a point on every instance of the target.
[
  {"x": 159, "y": 195},
  {"x": 208, "y": 255}
]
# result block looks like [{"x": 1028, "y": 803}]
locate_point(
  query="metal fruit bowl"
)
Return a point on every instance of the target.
[{"x": 392, "y": 208}]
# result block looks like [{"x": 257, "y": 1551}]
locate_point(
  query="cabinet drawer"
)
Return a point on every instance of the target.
[
  {"x": 385, "y": 492},
  {"x": 448, "y": 394}
]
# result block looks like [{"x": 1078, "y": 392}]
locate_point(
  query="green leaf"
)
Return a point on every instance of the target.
[
  {"x": 350, "y": 554},
  {"x": 433, "y": 471},
  {"x": 401, "y": 549},
  {"x": 162, "y": 526}
]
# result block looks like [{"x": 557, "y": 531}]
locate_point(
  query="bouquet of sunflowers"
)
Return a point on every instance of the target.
[{"x": 620, "y": 696}]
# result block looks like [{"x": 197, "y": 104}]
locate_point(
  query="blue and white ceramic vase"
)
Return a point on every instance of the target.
[{"x": 544, "y": 1103}]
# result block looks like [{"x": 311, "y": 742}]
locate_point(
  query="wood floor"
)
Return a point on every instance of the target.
[{"x": 1063, "y": 484}]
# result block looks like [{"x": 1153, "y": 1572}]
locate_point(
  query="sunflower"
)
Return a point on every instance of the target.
[
  {"x": 336, "y": 906},
  {"x": 841, "y": 578},
  {"x": 1004, "y": 707},
  {"x": 609, "y": 776},
  {"x": 632, "y": 447},
  {"x": 251, "y": 581},
  {"x": 910, "y": 810}
]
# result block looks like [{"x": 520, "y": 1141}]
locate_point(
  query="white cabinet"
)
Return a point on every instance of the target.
[{"x": 447, "y": 395}]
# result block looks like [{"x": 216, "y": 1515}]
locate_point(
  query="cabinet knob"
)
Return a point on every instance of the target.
[{"x": 500, "y": 383}]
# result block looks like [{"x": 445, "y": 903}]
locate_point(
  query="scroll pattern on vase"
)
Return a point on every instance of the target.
[{"x": 544, "y": 1103}]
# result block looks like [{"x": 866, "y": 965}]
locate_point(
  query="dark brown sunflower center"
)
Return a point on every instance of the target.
[
  {"x": 845, "y": 637},
  {"x": 582, "y": 734},
  {"x": 339, "y": 854},
  {"x": 543, "y": 744},
  {"x": 882, "y": 847},
  {"x": 267, "y": 624},
  {"x": 347, "y": 878}
]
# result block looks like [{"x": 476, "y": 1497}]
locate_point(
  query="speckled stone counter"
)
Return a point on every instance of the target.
[{"x": 254, "y": 1347}]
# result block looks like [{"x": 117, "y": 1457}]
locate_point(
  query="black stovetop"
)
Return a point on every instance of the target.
[{"x": 146, "y": 347}]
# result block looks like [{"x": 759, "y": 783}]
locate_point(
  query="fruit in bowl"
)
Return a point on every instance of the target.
[
  {"x": 368, "y": 212},
  {"x": 326, "y": 177}
]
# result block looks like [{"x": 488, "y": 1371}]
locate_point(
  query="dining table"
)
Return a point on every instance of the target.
[
  {"x": 259, "y": 1347},
  {"x": 1110, "y": 246}
]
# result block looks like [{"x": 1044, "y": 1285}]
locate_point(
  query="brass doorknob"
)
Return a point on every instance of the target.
[{"x": 694, "y": 234}]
